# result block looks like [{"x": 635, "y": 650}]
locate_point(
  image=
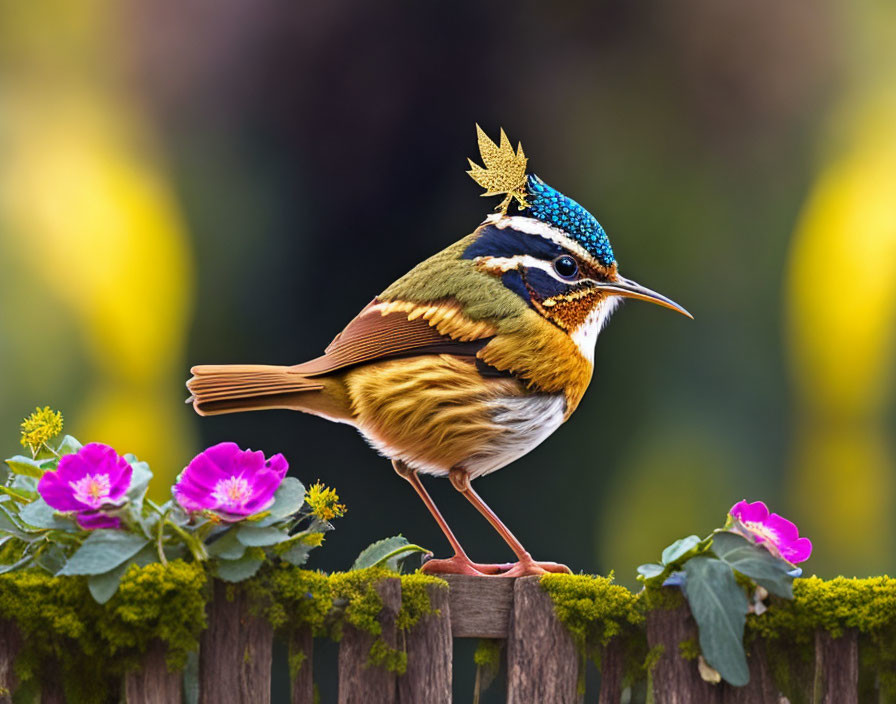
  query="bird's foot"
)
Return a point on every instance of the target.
[
  {"x": 460, "y": 564},
  {"x": 463, "y": 565},
  {"x": 529, "y": 567}
]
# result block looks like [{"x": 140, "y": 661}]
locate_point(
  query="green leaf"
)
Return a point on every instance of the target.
[
  {"x": 227, "y": 546},
  {"x": 52, "y": 559},
  {"x": 238, "y": 570},
  {"x": 16, "y": 565},
  {"x": 297, "y": 554},
  {"x": 679, "y": 549},
  {"x": 22, "y": 495},
  {"x": 68, "y": 446},
  {"x": 651, "y": 570},
  {"x": 191, "y": 678},
  {"x": 40, "y": 515},
  {"x": 28, "y": 466},
  {"x": 719, "y": 607},
  {"x": 103, "y": 586},
  {"x": 755, "y": 562},
  {"x": 389, "y": 551},
  {"x": 140, "y": 476},
  {"x": 260, "y": 536},
  {"x": 288, "y": 499},
  {"x": 103, "y": 550}
]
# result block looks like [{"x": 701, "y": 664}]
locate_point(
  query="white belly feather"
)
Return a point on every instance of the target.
[{"x": 527, "y": 422}]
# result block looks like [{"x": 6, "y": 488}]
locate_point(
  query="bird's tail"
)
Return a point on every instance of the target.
[{"x": 229, "y": 388}]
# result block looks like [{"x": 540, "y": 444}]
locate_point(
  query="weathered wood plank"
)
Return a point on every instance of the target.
[
  {"x": 10, "y": 644},
  {"x": 429, "y": 648},
  {"x": 836, "y": 668},
  {"x": 480, "y": 606},
  {"x": 543, "y": 662},
  {"x": 675, "y": 679},
  {"x": 153, "y": 683},
  {"x": 303, "y": 678},
  {"x": 359, "y": 682},
  {"x": 235, "y": 651},
  {"x": 612, "y": 668},
  {"x": 761, "y": 688}
]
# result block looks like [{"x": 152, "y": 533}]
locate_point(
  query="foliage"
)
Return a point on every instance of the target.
[
  {"x": 82, "y": 510},
  {"x": 721, "y": 574},
  {"x": 64, "y": 627}
]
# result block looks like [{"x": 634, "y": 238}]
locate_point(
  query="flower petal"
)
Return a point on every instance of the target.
[
  {"x": 57, "y": 493},
  {"x": 785, "y": 530},
  {"x": 797, "y": 551},
  {"x": 91, "y": 520},
  {"x": 744, "y": 511}
]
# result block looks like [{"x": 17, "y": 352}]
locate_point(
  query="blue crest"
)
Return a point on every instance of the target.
[{"x": 552, "y": 207}]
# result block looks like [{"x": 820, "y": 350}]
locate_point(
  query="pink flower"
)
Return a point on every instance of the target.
[
  {"x": 93, "y": 478},
  {"x": 229, "y": 480},
  {"x": 777, "y": 533}
]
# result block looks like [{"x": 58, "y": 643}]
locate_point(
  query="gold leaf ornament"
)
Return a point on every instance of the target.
[{"x": 504, "y": 172}]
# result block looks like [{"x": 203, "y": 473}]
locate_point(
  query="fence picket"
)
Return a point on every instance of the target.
[
  {"x": 675, "y": 679},
  {"x": 358, "y": 682},
  {"x": 235, "y": 651},
  {"x": 543, "y": 662},
  {"x": 10, "y": 644},
  {"x": 303, "y": 678},
  {"x": 836, "y": 668},
  {"x": 153, "y": 683},
  {"x": 429, "y": 648}
]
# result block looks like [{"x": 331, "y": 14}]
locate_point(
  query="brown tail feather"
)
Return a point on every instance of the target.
[{"x": 245, "y": 387}]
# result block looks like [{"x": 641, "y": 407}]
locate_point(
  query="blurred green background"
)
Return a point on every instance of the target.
[{"x": 200, "y": 181}]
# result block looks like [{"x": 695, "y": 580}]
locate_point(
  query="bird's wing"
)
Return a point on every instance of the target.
[{"x": 398, "y": 329}]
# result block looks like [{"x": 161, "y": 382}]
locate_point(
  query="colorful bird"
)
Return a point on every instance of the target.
[{"x": 468, "y": 361}]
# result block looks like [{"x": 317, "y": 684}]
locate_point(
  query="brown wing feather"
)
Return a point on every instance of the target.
[{"x": 380, "y": 333}]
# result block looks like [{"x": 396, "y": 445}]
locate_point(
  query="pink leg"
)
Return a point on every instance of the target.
[
  {"x": 526, "y": 565},
  {"x": 459, "y": 563}
]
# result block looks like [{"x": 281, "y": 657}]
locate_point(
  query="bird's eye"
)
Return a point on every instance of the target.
[{"x": 566, "y": 266}]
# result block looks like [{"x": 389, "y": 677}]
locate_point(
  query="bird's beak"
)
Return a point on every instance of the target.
[{"x": 629, "y": 289}]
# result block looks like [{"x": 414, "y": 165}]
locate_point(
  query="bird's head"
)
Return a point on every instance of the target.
[{"x": 553, "y": 254}]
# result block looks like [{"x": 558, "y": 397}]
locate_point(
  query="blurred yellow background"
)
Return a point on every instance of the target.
[{"x": 231, "y": 181}]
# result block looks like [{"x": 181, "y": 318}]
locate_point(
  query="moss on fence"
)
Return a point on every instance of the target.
[
  {"x": 836, "y": 605},
  {"x": 88, "y": 645}
]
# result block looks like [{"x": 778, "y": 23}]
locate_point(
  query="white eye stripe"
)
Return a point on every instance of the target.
[
  {"x": 505, "y": 264},
  {"x": 531, "y": 226}
]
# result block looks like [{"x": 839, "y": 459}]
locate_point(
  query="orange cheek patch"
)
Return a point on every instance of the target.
[{"x": 569, "y": 311}]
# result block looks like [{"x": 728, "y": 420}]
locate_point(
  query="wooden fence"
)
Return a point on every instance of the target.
[{"x": 541, "y": 659}]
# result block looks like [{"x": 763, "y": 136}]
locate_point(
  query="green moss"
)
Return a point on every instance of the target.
[
  {"x": 296, "y": 660},
  {"x": 290, "y": 597},
  {"x": 488, "y": 653},
  {"x": 689, "y": 649},
  {"x": 664, "y": 598},
  {"x": 87, "y": 645},
  {"x": 415, "y": 603},
  {"x": 593, "y": 609},
  {"x": 868, "y": 605},
  {"x": 653, "y": 657},
  {"x": 836, "y": 605},
  {"x": 392, "y": 659}
]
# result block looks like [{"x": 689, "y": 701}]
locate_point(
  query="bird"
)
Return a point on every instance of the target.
[{"x": 471, "y": 359}]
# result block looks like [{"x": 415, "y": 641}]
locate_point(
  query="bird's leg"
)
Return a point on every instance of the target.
[
  {"x": 460, "y": 563},
  {"x": 460, "y": 479}
]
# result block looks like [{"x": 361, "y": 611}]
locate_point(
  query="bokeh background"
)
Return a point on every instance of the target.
[{"x": 198, "y": 181}]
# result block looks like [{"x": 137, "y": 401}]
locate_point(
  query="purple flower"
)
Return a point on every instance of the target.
[
  {"x": 778, "y": 534},
  {"x": 230, "y": 481},
  {"x": 93, "y": 478}
]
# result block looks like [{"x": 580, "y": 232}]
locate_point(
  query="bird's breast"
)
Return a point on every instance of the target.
[{"x": 435, "y": 412}]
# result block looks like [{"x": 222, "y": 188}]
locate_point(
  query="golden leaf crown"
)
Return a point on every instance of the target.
[{"x": 504, "y": 172}]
